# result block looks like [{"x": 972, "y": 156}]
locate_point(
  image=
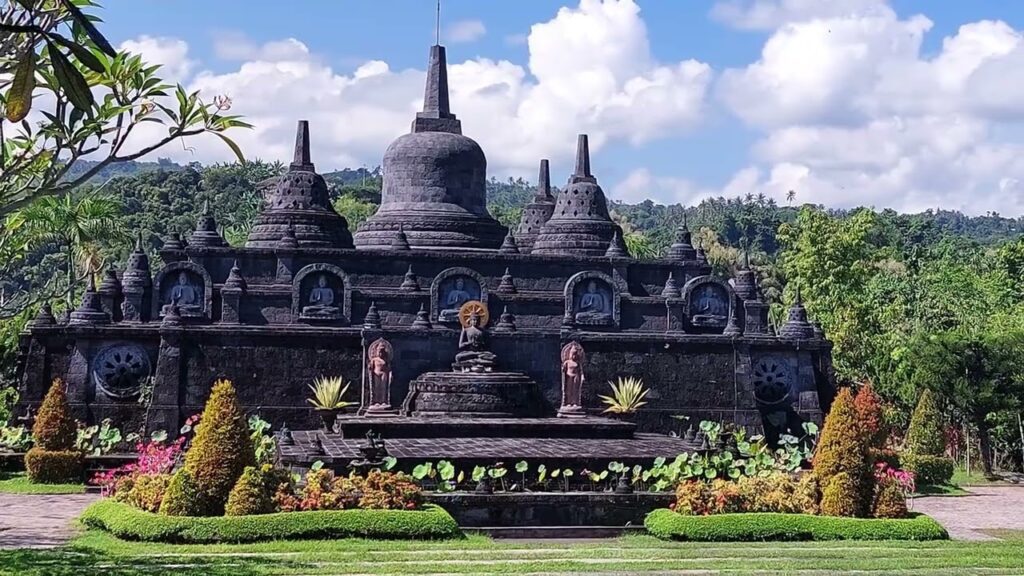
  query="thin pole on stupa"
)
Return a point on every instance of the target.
[{"x": 582, "y": 156}]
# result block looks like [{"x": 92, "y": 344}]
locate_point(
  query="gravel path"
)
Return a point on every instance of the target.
[
  {"x": 39, "y": 521},
  {"x": 987, "y": 507}
]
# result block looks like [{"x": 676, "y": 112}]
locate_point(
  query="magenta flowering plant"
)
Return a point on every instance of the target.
[
  {"x": 903, "y": 478},
  {"x": 155, "y": 457}
]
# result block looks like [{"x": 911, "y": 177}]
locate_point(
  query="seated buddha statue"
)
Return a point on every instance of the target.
[
  {"x": 321, "y": 300},
  {"x": 710, "y": 309},
  {"x": 454, "y": 300},
  {"x": 472, "y": 355},
  {"x": 186, "y": 296},
  {"x": 594, "y": 307}
]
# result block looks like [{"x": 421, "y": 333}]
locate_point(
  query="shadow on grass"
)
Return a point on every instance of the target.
[
  {"x": 72, "y": 563},
  {"x": 941, "y": 490}
]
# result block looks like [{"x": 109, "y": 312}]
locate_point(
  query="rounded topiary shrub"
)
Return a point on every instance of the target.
[
  {"x": 146, "y": 492},
  {"x": 842, "y": 496},
  {"x": 53, "y": 466},
  {"x": 221, "y": 449},
  {"x": 929, "y": 470},
  {"x": 925, "y": 436},
  {"x": 890, "y": 501},
  {"x": 183, "y": 497},
  {"x": 250, "y": 495},
  {"x": 54, "y": 428}
]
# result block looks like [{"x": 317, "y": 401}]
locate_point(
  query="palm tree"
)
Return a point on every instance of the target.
[{"x": 74, "y": 224}]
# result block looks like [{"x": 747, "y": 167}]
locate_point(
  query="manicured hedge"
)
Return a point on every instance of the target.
[
  {"x": 755, "y": 527},
  {"x": 130, "y": 523}
]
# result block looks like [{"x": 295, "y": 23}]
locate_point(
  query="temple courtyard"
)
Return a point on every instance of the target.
[{"x": 987, "y": 540}]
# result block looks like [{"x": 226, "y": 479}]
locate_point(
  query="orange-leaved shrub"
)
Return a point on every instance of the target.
[
  {"x": 53, "y": 459},
  {"x": 871, "y": 417},
  {"x": 221, "y": 449},
  {"x": 842, "y": 450}
]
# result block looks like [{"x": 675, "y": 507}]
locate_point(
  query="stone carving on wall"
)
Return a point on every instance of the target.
[
  {"x": 452, "y": 289},
  {"x": 186, "y": 285},
  {"x": 591, "y": 300},
  {"x": 573, "y": 359},
  {"x": 121, "y": 370},
  {"x": 772, "y": 380},
  {"x": 319, "y": 294},
  {"x": 378, "y": 368}
]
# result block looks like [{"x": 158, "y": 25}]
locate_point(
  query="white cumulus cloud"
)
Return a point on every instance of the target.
[
  {"x": 464, "y": 31},
  {"x": 590, "y": 70}
]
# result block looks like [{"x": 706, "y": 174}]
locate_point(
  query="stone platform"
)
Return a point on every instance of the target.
[
  {"x": 467, "y": 451},
  {"x": 472, "y": 395},
  {"x": 433, "y": 427}
]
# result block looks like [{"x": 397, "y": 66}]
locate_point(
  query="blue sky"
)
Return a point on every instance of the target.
[{"x": 732, "y": 122}]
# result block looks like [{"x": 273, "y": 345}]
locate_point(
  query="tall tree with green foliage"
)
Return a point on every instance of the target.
[{"x": 979, "y": 373}]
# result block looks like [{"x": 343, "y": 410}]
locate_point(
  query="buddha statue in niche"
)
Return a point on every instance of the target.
[
  {"x": 710, "y": 306},
  {"x": 186, "y": 295},
  {"x": 453, "y": 300},
  {"x": 321, "y": 300},
  {"x": 594, "y": 305}
]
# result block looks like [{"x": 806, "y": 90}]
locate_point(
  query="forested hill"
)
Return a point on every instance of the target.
[{"x": 735, "y": 219}]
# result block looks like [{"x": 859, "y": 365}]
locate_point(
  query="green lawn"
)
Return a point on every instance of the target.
[
  {"x": 941, "y": 490},
  {"x": 976, "y": 477},
  {"x": 97, "y": 553},
  {"x": 17, "y": 483}
]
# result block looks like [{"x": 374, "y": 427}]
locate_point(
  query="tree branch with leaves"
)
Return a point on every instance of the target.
[{"x": 90, "y": 100}]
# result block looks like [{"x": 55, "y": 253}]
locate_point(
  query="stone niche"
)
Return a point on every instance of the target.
[
  {"x": 321, "y": 294},
  {"x": 186, "y": 284},
  {"x": 451, "y": 289},
  {"x": 592, "y": 299},
  {"x": 708, "y": 302}
]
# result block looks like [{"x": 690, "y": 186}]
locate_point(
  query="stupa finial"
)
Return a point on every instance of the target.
[
  {"x": 302, "y": 156},
  {"x": 582, "y": 157},
  {"x": 544, "y": 181},
  {"x": 435, "y": 97}
]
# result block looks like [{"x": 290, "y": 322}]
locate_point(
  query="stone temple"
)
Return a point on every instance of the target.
[{"x": 460, "y": 338}]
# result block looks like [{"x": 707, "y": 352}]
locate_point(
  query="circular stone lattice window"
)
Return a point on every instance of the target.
[
  {"x": 119, "y": 371},
  {"x": 771, "y": 380}
]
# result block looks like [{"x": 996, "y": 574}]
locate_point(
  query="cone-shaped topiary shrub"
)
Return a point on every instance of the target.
[
  {"x": 250, "y": 494},
  {"x": 925, "y": 436},
  {"x": 54, "y": 428},
  {"x": 842, "y": 450},
  {"x": 221, "y": 449},
  {"x": 183, "y": 497},
  {"x": 890, "y": 501},
  {"x": 53, "y": 459},
  {"x": 870, "y": 416},
  {"x": 842, "y": 496}
]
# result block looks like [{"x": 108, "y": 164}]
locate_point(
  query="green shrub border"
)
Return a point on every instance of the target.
[
  {"x": 128, "y": 523},
  {"x": 756, "y": 527}
]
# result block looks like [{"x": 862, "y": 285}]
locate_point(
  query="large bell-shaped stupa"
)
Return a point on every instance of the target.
[{"x": 435, "y": 181}]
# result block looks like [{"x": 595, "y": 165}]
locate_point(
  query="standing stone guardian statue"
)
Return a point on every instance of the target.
[
  {"x": 378, "y": 368},
  {"x": 573, "y": 359}
]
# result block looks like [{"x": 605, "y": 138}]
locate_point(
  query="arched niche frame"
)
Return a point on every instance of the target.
[
  {"x": 709, "y": 302},
  {"x": 446, "y": 289},
  {"x": 184, "y": 281},
  {"x": 336, "y": 288},
  {"x": 593, "y": 298}
]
